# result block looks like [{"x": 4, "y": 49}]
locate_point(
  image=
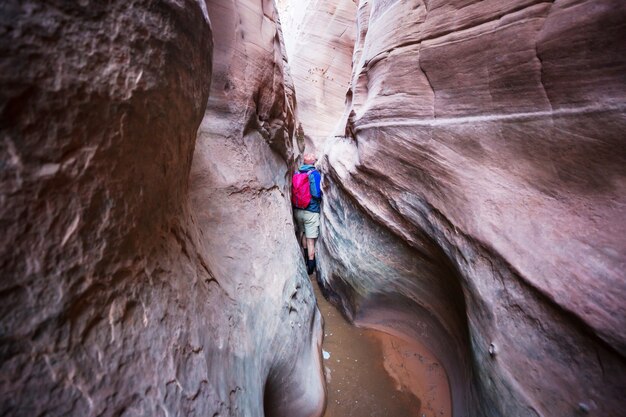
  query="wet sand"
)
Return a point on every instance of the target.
[
  {"x": 370, "y": 373},
  {"x": 416, "y": 370}
]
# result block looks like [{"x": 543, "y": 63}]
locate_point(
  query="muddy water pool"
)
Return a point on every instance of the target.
[{"x": 371, "y": 373}]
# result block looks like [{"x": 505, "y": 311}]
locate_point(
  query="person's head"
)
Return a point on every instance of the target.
[{"x": 309, "y": 159}]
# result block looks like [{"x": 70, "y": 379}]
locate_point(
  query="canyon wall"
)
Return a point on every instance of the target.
[
  {"x": 269, "y": 323},
  {"x": 145, "y": 273},
  {"x": 320, "y": 39},
  {"x": 475, "y": 196}
]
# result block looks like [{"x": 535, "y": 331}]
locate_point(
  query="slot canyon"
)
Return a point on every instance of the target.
[{"x": 472, "y": 251}]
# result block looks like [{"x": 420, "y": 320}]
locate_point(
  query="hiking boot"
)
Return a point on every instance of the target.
[{"x": 310, "y": 266}]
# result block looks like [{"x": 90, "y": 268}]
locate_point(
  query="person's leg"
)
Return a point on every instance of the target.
[
  {"x": 299, "y": 216},
  {"x": 311, "y": 231},
  {"x": 304, "y": 241},
  {"x": 305, "y": 245},
  {"x": 310, "y": 245}
]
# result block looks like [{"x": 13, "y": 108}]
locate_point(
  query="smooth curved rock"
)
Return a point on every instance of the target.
[
  {"x": 319, "y": 44},
  {"x": 127, "y": 288},
  {"x": 475, "y": 197},
  {"x": 239, "y": 189}
]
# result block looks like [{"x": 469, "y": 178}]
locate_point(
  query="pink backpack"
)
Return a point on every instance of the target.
[{"x": 300, "y": 190}]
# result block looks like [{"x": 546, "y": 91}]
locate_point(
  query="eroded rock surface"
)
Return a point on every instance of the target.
[
  {"x": 239, "y": 188},
  {"x": 128, "y": 289},
  {"x": 320, "y": 41},
  {"x": 477, "y": 199}
]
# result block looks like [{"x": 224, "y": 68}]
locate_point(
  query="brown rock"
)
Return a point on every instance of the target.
[
  {"x": 99, "y": 108},
  {"x": 239, "y": 188},
  {"x": 125, "y": 290},
  {"x": 479, "y": 197},
  {"x": 319, "y": 45}
]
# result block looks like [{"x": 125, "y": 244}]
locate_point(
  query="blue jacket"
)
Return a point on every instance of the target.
[{"x": 316, "y": 190}]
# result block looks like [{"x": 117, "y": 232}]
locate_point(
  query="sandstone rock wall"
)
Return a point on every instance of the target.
[
  {"x": 239, "y": 187},
  {"x": 477, "y": 200},
  {"x": 127, "y": 288},
  {"x": 320, "y": 40}
]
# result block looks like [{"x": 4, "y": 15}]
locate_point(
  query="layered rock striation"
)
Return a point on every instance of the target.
[
  {"x": 320, "y": 38},
  {"x": 145, "y": 272},
  {"x": 475, "y": 197},
  {"x": 240, "y": 198}
]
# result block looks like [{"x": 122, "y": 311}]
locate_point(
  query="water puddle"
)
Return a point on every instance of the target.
[{"x": 370, "y": 373}]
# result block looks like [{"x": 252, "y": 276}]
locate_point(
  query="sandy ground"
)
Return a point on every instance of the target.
[
  {"x": 416, "y": 370},
  {"x": 370, "y": 373}
]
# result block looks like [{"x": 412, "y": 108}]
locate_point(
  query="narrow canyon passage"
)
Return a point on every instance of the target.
[
  {"x": 473, "y": 217},
  {"x": 370, "y": 373}
]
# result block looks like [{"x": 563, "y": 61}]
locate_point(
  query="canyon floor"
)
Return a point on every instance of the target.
[{"x": 371, "y": 373}]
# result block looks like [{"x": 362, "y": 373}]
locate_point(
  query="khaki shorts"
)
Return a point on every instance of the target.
[{"x": 308, "y": 222}]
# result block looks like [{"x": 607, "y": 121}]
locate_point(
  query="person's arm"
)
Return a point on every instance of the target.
[{"x": 315, "y": 179}]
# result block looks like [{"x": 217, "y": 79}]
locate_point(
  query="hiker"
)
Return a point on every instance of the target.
[{"x": 306, "y": 207}]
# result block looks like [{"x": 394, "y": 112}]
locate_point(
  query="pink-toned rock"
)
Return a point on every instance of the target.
[
  {"x": 127, "y": 287},
  {"x": 320, "y": 38},
  {"x": 478, "y": 199},
  {"x": 101, "y": 286},
  {"x": 239, "y": 188}
]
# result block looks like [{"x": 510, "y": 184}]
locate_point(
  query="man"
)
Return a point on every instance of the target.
[{"x": 308, "y": 219}]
